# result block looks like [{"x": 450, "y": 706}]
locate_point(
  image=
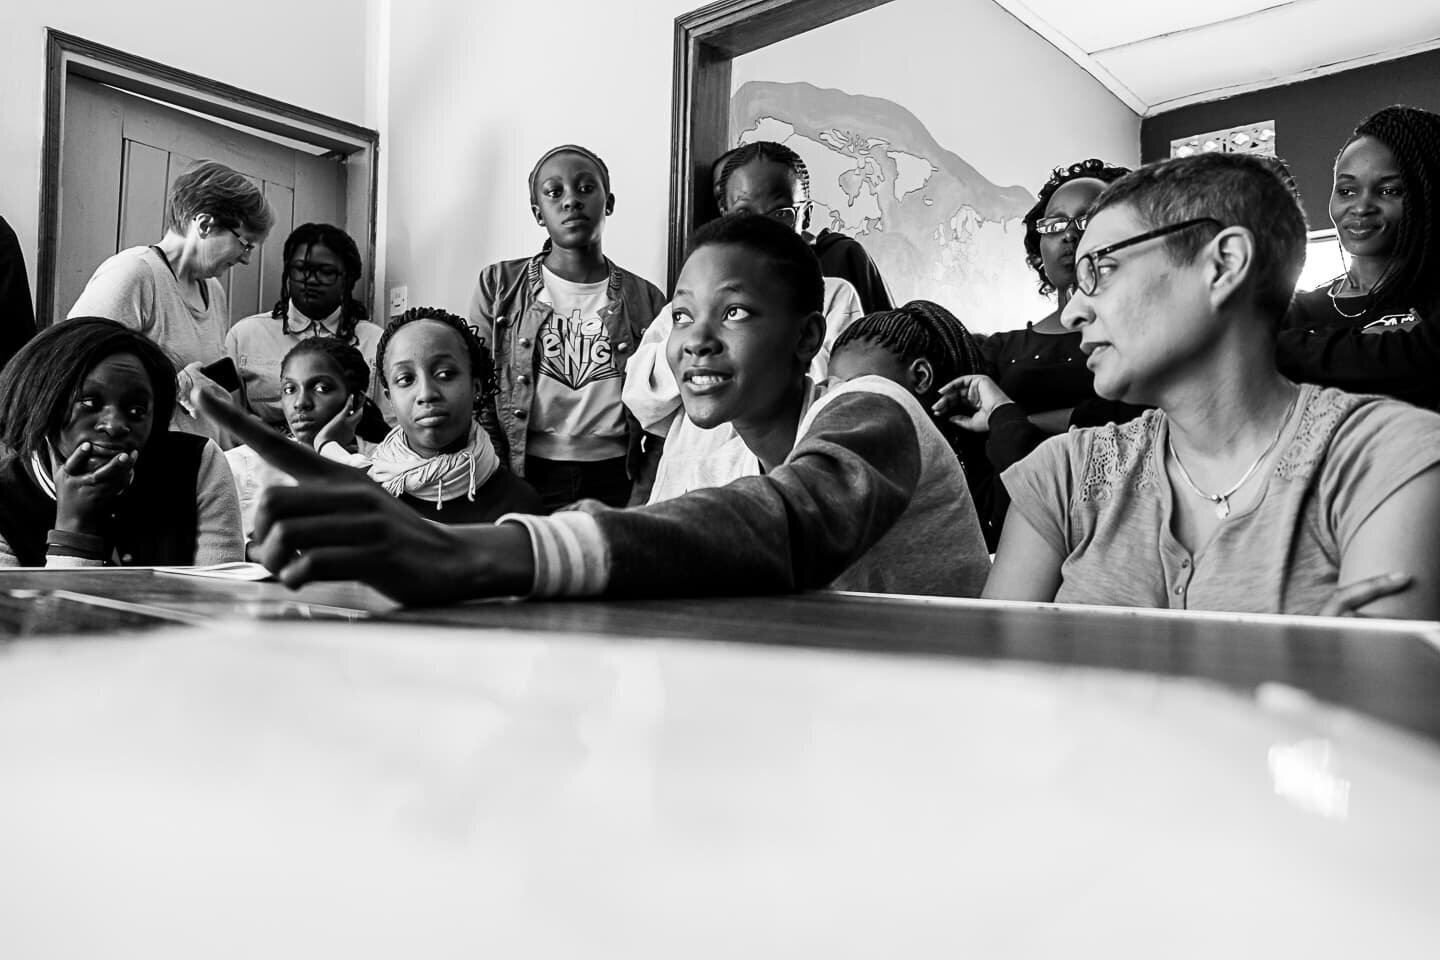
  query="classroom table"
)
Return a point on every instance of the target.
[
  {"x": 1390, "y": 669},
  {"x": 196, "y": 768}
]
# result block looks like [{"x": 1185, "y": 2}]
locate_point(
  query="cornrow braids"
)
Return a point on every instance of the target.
[
  {"x": 717, "y": 175},
  {"x": 767, "y": 150},
  {"x": 349, "y": 363},
  {"x": 341, "y": 244},
  {"x": 921, "y": 329},
  {"x": 480, "y": 365},
  {"x": 1412, "y": 135},
  {"x": 1092, "y": 169}
]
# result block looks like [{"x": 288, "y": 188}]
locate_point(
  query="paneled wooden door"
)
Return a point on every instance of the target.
[{"x": 122, "y": 152}]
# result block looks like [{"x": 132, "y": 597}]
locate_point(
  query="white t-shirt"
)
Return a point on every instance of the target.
[
  {"x": 577, "y": 413},
  {"x": 137, "y": 288}
]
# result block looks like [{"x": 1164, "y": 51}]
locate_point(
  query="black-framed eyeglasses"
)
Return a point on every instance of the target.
[
  {"x": 1087, "y": 274},
  {"x": 299, "y": 270},
  {"x": 248, "y": 245},
  {"x": 1049, "y": 226},
  {"x": 787, "y": 215}
]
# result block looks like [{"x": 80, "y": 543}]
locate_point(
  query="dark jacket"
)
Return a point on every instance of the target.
[
  {"x": 507, "y": 312},
  {"x": 844, "y": 257}
]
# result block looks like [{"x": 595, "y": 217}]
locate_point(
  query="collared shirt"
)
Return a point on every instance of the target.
[{"x": 259, "y": 343}]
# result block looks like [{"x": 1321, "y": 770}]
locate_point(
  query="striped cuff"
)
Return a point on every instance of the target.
[
  {"x": 62, "y": 562},
  {"x": 571, "y": 556}
]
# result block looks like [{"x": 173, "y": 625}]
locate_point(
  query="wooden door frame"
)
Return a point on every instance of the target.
[
  {"x": 67, "y": 55},
  {"x": 706, "y": 41}
]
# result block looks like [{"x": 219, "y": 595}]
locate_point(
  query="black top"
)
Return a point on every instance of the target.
[
  {"x": 503, "y": 493},
  {"x": 1039, "y": 371},
  {"x": 17, "y": 312},
  {"x": 844, "y": 257},
  {"x": 1388, "y": 345},
  {"x": 153, "y": 522}
]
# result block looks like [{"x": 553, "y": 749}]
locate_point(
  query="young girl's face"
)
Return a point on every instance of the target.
[
  {"x": 312, "y": 393},
  {"x": 571, "y": 202},
  {"x": 1368, "y": 199},
  {"x": 768, "y": 188},
  {"x": 316, "y": 280},
  {"x": 429, "y": 380},
  {"x": 113, "y": 411},
  {"x": 738, "y": 347}
]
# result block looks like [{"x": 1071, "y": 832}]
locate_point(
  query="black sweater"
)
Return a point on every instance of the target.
[{"x": 1392, "y": 347}]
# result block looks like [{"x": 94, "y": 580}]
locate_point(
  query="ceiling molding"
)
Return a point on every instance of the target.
[
  {"x": 1042, "y": 28},
  {"x": 1339, "y": 66}
]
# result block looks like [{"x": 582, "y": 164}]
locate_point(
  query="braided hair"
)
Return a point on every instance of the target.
[
  {"x": 1412, "y": 135},
  {"x": 347, "y": 359},
  {"x": 1091, "y": 169},
  {"x": 338, "y": 242},
  {"x": 481, "y": 368},
  {"x": 770, "y": 152},
  {"x": 920, "y": 330},
  {"x": 925, "y": 330}
]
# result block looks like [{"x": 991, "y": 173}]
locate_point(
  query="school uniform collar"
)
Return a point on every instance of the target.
[{"x": 298, "y": 324}]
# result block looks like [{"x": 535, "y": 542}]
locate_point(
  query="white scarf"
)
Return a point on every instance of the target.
[{"x": 400, "y": 470}]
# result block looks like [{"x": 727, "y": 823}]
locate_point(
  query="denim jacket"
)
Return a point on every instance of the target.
[{"x": 507, "y": 314}]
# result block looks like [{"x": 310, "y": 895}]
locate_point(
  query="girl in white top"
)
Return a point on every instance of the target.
[
  {"x": 322, "y": 392},
  {"x": 322, "y": 265}
]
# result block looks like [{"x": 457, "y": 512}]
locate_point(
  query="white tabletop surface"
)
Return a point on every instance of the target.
[{"x": 269, "y": 790}]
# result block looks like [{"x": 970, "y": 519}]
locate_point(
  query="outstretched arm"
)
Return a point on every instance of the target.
[{"x": 845, "y": 484}]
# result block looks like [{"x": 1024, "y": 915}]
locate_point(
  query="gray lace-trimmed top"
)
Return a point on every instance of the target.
[{"x": 1100, "y": 497}]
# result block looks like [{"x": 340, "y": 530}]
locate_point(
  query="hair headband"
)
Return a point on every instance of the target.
[{"x": 569, "y": 148}]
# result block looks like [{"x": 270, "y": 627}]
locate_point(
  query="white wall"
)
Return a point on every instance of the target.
[
  {"x": 311, "y": 54},
  {"x": 479, "y": 91}
]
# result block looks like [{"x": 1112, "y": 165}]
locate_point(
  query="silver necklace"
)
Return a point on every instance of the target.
[
  {"x": 1336, "y": 303},
  {"x": 1221, "y": 501}
]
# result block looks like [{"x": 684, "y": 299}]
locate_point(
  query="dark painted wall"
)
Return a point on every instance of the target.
[{"x": 1312, "y": 118}]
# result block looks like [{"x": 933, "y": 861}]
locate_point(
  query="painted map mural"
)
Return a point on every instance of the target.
[{"x": 937, "y": 228}]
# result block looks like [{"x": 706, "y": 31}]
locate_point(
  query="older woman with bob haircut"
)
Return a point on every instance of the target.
[
  {"x": 90, "y": 476},
  {"x": 169, "y": 291},
  {"x": 1241, "y": 491}
]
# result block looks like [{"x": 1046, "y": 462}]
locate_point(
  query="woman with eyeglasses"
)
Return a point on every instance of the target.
[
  {"x": 769, "y": 178},
  {"x": 170, "y": 291},
  {"x": 1240, "y": 490},
  {"x": 322, "y": 265},
  {"x": 1037, "y": 384}
]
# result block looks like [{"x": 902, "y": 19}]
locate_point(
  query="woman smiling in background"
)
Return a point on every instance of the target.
[{"x": 1374, "y": 329}]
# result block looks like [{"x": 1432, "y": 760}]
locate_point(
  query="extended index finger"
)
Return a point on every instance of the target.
[{"x": 296, "y": 459}]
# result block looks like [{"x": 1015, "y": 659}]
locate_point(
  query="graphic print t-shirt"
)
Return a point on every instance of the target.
[{"x": 577, "y": 414}]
